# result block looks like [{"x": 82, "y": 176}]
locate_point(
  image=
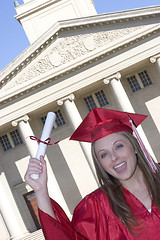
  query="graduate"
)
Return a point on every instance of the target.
[{"x": 126, "y": 206}]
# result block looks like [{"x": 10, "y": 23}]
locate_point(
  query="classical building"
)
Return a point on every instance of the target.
[{"x": 77, "y": 60}]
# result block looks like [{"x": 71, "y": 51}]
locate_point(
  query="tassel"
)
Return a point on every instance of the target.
[{"x": 147, "y": 155}]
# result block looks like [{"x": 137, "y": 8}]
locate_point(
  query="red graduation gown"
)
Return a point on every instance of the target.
[{"x": 93, "y": 219}]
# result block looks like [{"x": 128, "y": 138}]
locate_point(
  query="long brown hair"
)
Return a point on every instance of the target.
[{"x": 116, "y": 198}]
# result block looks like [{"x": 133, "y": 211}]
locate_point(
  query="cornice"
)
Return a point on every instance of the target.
[
  {"x": 35, "y": 8},
  {"x": 116, "y": 17},
  {"x": 133, "y": 13},
  {"x": 92, "y": 58}
]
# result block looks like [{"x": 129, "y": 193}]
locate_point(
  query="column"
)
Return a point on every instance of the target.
[
  {"x": 26, "y": 131},
  {"x": 75, "y": 120},
  {"x": 71, "y": 110},
  {"x": 32, "y": 146},
  {"x": 156, "y": 59},
  {"x": 125, "y": 104},
  {"x": 119, "y": 92},
  {"x": 9, "y": 210}
]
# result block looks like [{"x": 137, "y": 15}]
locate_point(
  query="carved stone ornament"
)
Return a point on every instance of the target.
[
  {"x": 154, "y": 58},
  {"x": 70, "y": 97},
  {"x": 89, "y": 43},
  {"x": 25, "y": 118},
  {"x": 66, "y": 50},
  {"x": 116, "y": 76},
  {"x": 55, "y": 59}
]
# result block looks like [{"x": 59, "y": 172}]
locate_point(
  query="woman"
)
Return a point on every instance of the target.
[{"x": 127, "y": 204}]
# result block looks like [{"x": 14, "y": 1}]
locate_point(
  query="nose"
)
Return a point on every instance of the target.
[{"x": 113, "y": 156}]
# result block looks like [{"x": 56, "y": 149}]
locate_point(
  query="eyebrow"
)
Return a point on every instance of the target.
[
  {"x": 101, "y": 150},
  {"x": 118, "y": 141}
]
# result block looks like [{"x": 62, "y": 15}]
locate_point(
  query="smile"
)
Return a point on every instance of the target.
[{"x": 120, "y": 165}]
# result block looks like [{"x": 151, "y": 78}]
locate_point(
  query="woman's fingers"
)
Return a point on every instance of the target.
[
  {"x": 38, "y": 167},
  {"x": 32, "y": 171},
  {"x": 34, "y": 161},
  {"x": 43, "y": 163},
  {"x": 34, "y": 167}
]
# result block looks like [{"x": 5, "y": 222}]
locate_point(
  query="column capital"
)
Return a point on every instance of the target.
[
  {"x": 70, "y": 97},
  {"x": 116, "y": 76},
  {"x": 25, "y": 118},
  {"x": 154, "y": 58}
]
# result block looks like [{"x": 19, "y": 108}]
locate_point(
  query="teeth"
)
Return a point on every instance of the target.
[{"x": 119, "y": 165}]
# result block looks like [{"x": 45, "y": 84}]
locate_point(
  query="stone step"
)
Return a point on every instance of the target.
[{"x": 37, "y": 235}]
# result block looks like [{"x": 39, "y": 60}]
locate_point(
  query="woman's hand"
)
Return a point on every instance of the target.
[
  {"x": 39, "y": 185},
  {"x": 36, "y": 166}
]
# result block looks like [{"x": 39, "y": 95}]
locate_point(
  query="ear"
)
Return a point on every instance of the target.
[{"x": 135, "y": 151}]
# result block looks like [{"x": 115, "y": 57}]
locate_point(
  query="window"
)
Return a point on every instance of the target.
[
  {"x": 101, "y": 97},
  {"x": 146, "y": 81},
  {"x": 6, "y": 145},
  {"x": 59, "y": 119},
  {"x": 10, "y": 140},
  {"x": 133, "y": 82},
  {"x": 89, "y": 101},
  {"x": 97, "y": 99},
  {"x": 16, "y": 138},
  {"x": 139, "y": 81}
]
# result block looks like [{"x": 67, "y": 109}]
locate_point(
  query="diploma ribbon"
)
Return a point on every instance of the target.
[{"x": 47, "y": 141}]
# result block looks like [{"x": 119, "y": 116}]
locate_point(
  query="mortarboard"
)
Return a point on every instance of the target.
[{"x": 101, "y": 122}]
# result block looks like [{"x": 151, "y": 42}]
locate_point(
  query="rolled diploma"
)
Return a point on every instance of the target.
[{"x": 47, "y": 129}]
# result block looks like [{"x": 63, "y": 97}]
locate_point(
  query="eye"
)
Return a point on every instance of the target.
[
  {"x": 103, "y": 155},
  {"x": 119, "y": 146}
]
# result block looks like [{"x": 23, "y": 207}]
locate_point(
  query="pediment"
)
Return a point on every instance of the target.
[{"x": 69, "y": 48}]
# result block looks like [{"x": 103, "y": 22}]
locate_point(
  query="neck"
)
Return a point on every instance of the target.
[
  {"x": 135, "y": 182},
  {"x": 136, "y": 185}
]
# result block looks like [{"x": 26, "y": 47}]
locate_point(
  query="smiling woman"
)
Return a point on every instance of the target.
[{"x": 126, "y": 206}]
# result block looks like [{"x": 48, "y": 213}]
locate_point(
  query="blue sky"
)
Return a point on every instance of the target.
[{"x": 13, "y": 39}]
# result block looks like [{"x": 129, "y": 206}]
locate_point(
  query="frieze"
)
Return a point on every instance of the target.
[
  {"x": 40, "y": 67},
  {"x": 66, "y": 50}
]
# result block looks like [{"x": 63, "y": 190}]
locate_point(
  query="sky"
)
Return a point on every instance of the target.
[{"x": 13, "y": 39}]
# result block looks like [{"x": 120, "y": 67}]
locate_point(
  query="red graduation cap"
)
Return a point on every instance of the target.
[{"x": 101, "y": 122}]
